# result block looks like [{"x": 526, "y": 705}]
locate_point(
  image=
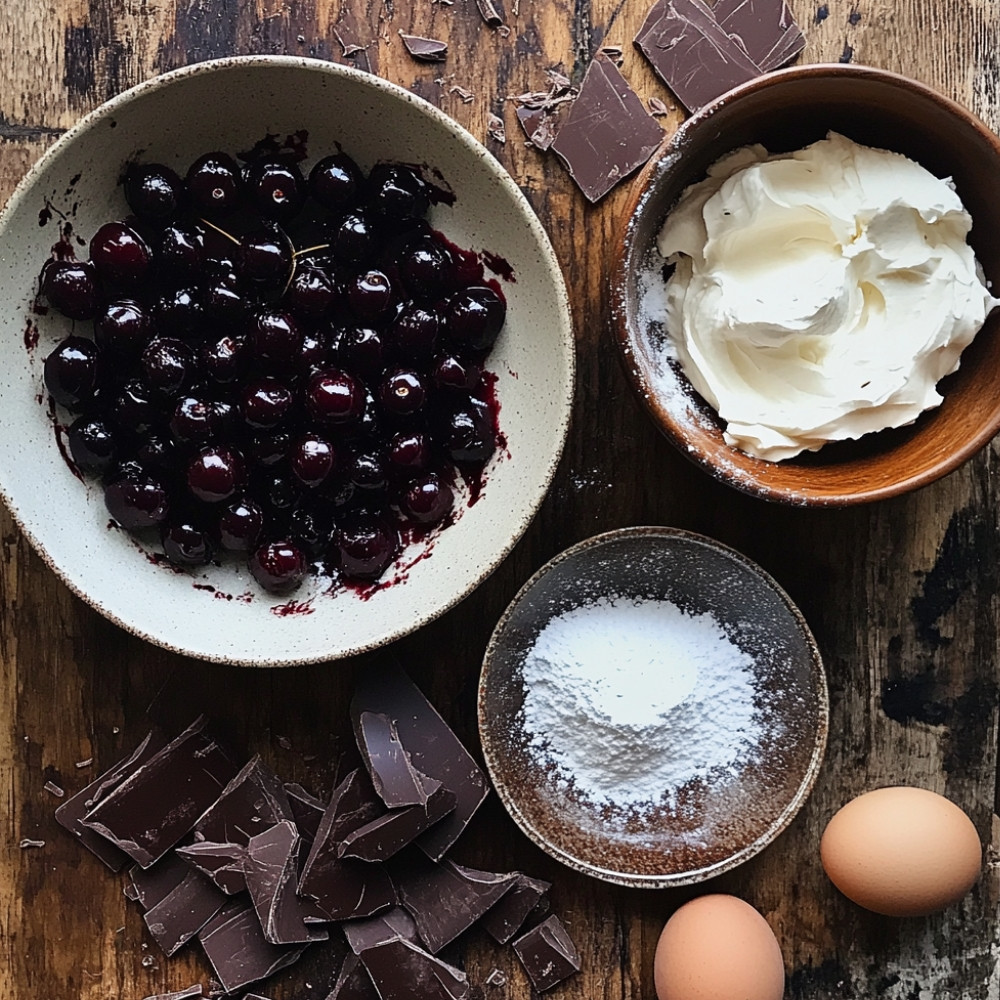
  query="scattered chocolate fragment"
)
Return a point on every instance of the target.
[
  {"x": 503, "y": 920},
  {"x": 657, "y": 108},
  {"x": 466, "y": 96},
  {"x": 176, "y": 918},
  {"x": 607, "y": 133},
  {"x": 30, "y": 842},
  {"x": 189, "y": 994},
  {"x": 765, "y": 28},
  {"x": 80, "y": 764},
  {"x": 71, "y": 813},
  {"x": 389, "y": 766},
  {"x": 137, "y": 817},
  {"x": 253, "y": 801},
  {"x": 307, "y": 810},
  {"x": 495, "y": 128},
  {"x": 446, "y": 899},
  {"x": 559, "y": 81},
  {"x": 152, "y": 885},
  {"x": 433, "y": 748},
  {"x": 425, "y": 49},
  {"x": 353, "y": 982},
  {"x": 547, "y": 954},
  {"x": 540, "y": 126},
  {"x": 53, "y": 789},
  {"x": 489, "y": 12},
  {"x": 223, "y": 864},
  {"x": 402, "y": 971},
  {"x": 691, "y": 53},
  {"x": 614, "y": 53}
]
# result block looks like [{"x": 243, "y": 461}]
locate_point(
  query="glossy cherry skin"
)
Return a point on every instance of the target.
[
  {"x": 266, "y": 257},
  {"x": 396, "y": 191},
  {"x": 153, "y": 191},
  {"x": 402, "y": 392},
  {"x": 474, "y": 318},
  {"x": 427, "y": 499},
  {"x": 335, "y": 397},
  {"x": 279, "y": 566},
  {"x": 366, "y": 544},
  {"x": 215, "y": 184},
  {"x": 335, "y": 181},
  {"x": 71, "y": 372},
  {"x": 240, "y": 524},
  {"x": 71, "y": 288},
  {"x": 370, "y": 295},
  {"x": 92, "y": 444},
  {"x": 265, "y": 403},
  {"x": 312, "y": 459},
  {"x": 414, "y": 333},
  {"x": 123, "y": 328},
  {"x": 276, "y": 189},
  {"x": 215, "y": 473},
  {"x": 120, "y": 254},
  {"x": 186, "y": 544},
  {"x": 455, "y": 374},
  {"x": 137, "y": 501},
  {"x": 167, "y": 365}
]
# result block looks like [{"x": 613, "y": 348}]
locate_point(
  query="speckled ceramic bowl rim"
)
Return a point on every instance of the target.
[
  {"x": 502, "y": 178},
  {"x": 630, "y": 879},
  {"x": 664, "y": 160}
]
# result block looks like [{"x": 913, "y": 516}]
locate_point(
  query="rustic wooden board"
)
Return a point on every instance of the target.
[{"x": 902, "y": 596}]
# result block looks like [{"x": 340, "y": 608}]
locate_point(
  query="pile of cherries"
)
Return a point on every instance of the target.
[{"x": 284, "y": 366}]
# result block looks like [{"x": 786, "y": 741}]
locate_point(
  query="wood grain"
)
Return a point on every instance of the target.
[{"x": 902, "y": 595}]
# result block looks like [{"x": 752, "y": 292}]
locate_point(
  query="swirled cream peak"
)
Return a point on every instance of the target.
[{"x": 820, "y": 295}]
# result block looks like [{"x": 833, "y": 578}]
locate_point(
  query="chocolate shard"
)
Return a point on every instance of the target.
[
  {"x": 692, "y": 53},
  {"x": 147, "y": 886},
  {"x": 159, "y": 803},
  {"x": 388, "y": 764},
  {"x": 385, "y": 836},
  {"x": 343, "y": 888},
  {"x": 401, "y": 970},
  {"x": 539, "y": 124},
  {"x": 221, "y": 863},
  {"x": 271, "y": 868},
  {"x": 507, "y": 916},
  {"x": 240, "y": 954},
  {"x": 307, "y": 810},
  {"x": 71, "y": 813},
  {"x": 607, "y": 134},
  {"x": 490, "y": 13},
  {"x": 176, "y": 918},
  {"x": 425, "y": 49},
  {"x": 353, "y": 982},
  {"x": 547, "y": 954},
  {"x": 444, "y": 898},
  {"x": 765, "y": 28},
  {"x": 433, "y": 748},
  {"x": 189, "y": 994},
  {"x": 253, "y": 801},
  {"x": 372, "y": 931}
]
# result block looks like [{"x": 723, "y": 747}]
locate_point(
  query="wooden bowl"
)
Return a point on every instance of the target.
[
  {"x": 708, "y": 825},
  {"x": 786, "y": 111}
]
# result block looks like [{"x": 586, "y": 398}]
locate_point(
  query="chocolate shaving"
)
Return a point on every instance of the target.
[
  {"x": 614, "y": 53},
  {"x": 80, "y": 764},
  {"x": 29, "y": 842},
  {"x": 425, "y": 49},
  {"x": 495, "y": 128},
  {"x": 176, "y": 918},
  {"x": 507, "y": 917},
  {"x": 53, "y": 789},
  {"x": 401, "y": 970},
  {"x": 466, "y": 95},
  {"x": 547, "y": 954},
  {"x": 223, "y": 864},
  {"x": 489, "y": 12},
  {"x": 253, "y": 801},
  {"x": 558, "y": 80}
]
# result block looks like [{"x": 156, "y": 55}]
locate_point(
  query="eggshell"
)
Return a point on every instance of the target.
[
  {"x": 902, "y": 852},
  {"x": 718, "y": 948}
]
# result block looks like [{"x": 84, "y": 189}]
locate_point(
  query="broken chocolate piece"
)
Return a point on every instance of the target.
[
  {"x": 71, "y": 813},
  {"x": 433, "y": 748},
  {"x": 240, "y": 954},
  {"x": 176, "y": 918},
  {"x": 401, "y": 971},
  {"x": 151, "y": 885},
  {"x": 353, "y": 982},
  {"x": 253, "y": 801},
  {"x": 495, "y": 128},
  {"x": 371, "y": 931},
  {"x": 271, "y": 868},
  {"x": 691, "y": 53},
  {"x": 388, "y": 764},
  {"x": 503, "y": 920},
  {"x": 608, "y": 132},
  {"x": 540, "y": 126},
  {"x": 446, "y": 899},
  {"x": 425, "y": 49},
  {"x": 765, "y": 28},
  {"x": 189, "y": 994},
  {"x": 221, "y": 863},
  {"x": 547, "y": 954},
  {"x": 307, "y": 810},
  {"x": 489, "y": 13},
  {"x": 159, "y": 803}
]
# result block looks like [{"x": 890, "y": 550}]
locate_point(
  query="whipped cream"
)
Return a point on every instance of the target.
[{"x": 820, "y": 295}]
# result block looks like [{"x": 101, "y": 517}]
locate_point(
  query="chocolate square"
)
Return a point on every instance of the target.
[
  {"x": 176, "y": 918},
  {"x": 765, "y": 29},
  {"x": 547, "y": 954},
  {"x": 503, "y": 920}
]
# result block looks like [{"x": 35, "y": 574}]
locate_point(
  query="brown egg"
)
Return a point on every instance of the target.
[
  {"x": 902, "y": 852},
  {"x": 718, "y": 948}
]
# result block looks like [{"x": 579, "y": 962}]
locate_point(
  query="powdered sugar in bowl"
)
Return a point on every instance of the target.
[{"x": 653, "y": 708}]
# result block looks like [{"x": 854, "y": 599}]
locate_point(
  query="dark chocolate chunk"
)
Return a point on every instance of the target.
[
  {"x": 70, "y": 814},
  {"x": 425, "y": 49},
  {"x": 691, "y": 53},
  {"x": 159, "y": 803},
  {"x": 607, "y": 134},
  {"x": 433, "y": 748},
  {"x": 403, "y": 971},
  {"x": 540, "y": 126},
  {"x": 235, "y": 945},
  {"x": 765, "y": 28},
  {"x": 381, "y": 838},
  {"x": 353, "y": 982},
  {"x": 446, "y": 899},
  {"x": 272, "y": 877},
  {"x": 150, "y": 885},
  {"x": 222, "y": 863},
  {"x": 489, "y": 13},
  {"x": 388, "y": 764},
  {"x": 253, "y": 801},
  {"x": 547, "y": 954},
  {"x": 507, "y": 916},
  {"x": 176, "y": 918},
  {"x": 371, "y": 931},
  {"x": 189, "y": 994},
  {"x": 307, "y": 810}
]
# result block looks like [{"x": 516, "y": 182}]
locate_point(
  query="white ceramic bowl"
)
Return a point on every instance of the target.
[{"x": 229, "y": 104}]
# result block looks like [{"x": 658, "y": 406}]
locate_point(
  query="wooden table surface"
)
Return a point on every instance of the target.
[{"x": 902, "y": 595}]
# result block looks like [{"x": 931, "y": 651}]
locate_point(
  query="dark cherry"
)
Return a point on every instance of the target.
[
  {"x": 123, "y": 328},
  {"x": 427, "y": 499},
  {"x": 167, "y": 365},
  {"x": 367, "y": 470},
  {"x": 158, "y": 453},
  {"x": 402, "y": 392},
  {"x": 179, "y": 313},
  {"x": 311, "y": 527},
  {"x": 153, "y": 191},
  {"x": 274, "y": 339},
  {"x": 370, "y": 295},
  {"x": 366, "y": 544},
  {"x": 408, "y": 451},
  {"x": 186, "y": 544},
  {"x": 314, "y": 353},
  {"x": 415, "y": 332},
  {"x": 215, "y": 473},
  {"x": 215, "y": 184},
  {"x": 469, "y": 435},
  {"x": 276, "y": 189},
  {"x": 278, "y": 490},
  {"x": 279, "y": 567},
  {"x": 312, "y": 459},
  {"x": 270, "y": 447},
  {"x": 474, "y": 317},
  {"x": 362, "y": 350},
  {"x": 455, "y": 374},
  {"x": 71, "y": 372},
  {"x": 426, "y": 268},
  {"x": 397, "y": 191},
  {"x": 196, "y": 420},
  {"x": 119, "y": 254},
  {"x": 266, "y": 257},
  {"x": 335, "y": 181},
  {"x": 224, "y": 359},
  {"x": 181, "y": 249},
  {"x": 333, "y": 396},
  {"x": 354, "y": 239},
  {"x": 136, "y": 500},
  {"x": 240, "y": 524},
  {"x": 312, "y": 291},
  {"x": 223, "y": 302},
  {"x": 134, "y": 411},
  {"x": 71, "y": 288},
  {"x": 265, "y": 403},
  {"x": 92, "y": 444}
]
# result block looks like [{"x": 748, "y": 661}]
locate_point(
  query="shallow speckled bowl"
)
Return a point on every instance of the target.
[
  {"x": 785, "y": 111},
  {"x": 708, "y": 828},
  {"x": 229, "y": 105}
]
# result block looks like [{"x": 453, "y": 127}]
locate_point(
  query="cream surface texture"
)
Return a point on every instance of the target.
[{"x": 820, "y": 295}]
